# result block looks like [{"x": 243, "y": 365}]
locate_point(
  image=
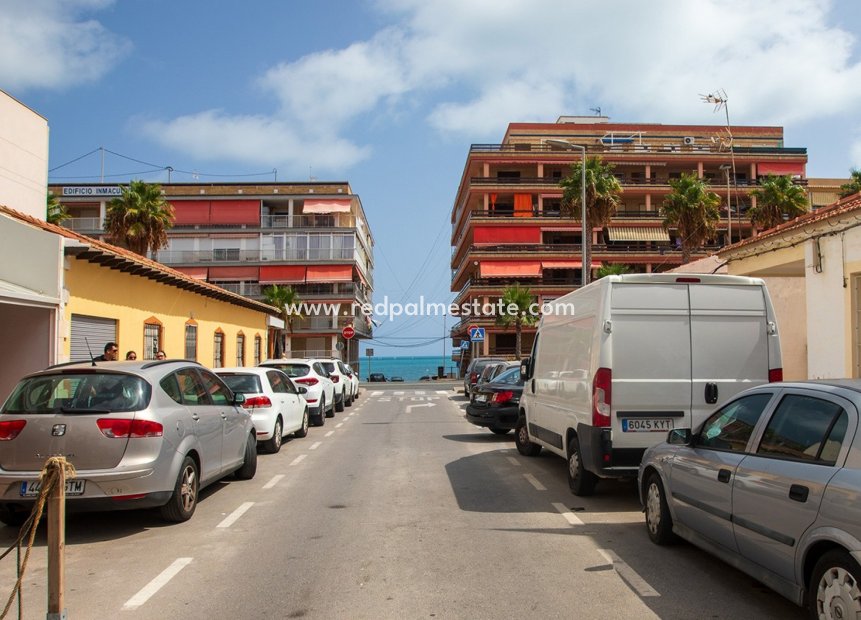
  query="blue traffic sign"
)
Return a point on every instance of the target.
[
  {"x": 464, "y": 344},
  {"x": 476, "y": 334}
]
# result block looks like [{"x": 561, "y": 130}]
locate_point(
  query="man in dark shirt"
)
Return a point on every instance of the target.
[{"x": 110, "y": 354}]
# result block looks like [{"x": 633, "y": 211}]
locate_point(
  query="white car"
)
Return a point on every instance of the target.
[
  {"x": 310, "y": 374},
  {"x": 343, "y": 384},
  {"x": 354, "y": 379},
  {"x": 276, "y": 405}
]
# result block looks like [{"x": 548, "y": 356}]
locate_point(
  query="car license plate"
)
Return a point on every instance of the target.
[
  {"x": 31, "y": 488},
  {"x": 646, "y": 425},
  {"x": 480, "y": 398}
]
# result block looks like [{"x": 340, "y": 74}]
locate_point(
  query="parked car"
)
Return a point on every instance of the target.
[
  {"x": 496, "y": 404},
  {"x": 140, "y": 435},
  {"x": 473, "y": 371},
  {"x": 310, "y": 374},
  {"x": 343, "y": 385},
  {"x": 490, "y": 372},
  {"x": 397, "y": 379},
  {"x": 354, "y": 379},
  {"x": 277, "y": 406},
  {"x": 619, "y": 362},
  {"x": 377, "y": 377},
  {"x": 770, "y": 484}
]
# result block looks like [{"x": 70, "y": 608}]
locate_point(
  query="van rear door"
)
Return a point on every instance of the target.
[{"x": 729, "y": 343}]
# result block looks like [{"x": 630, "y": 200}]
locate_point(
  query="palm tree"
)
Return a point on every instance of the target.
[
  {"x": 602, "y": 200},
  {"x": 777, "y": 199},
  {"x": 56, "y": 213},
  {"x": 615, "y": 269},
  {"x": 517, "y": 311},
  {"x": 693, "y": 210},
  {"x": 287, "y": 300},
  {"x": 854, "y": 184},
  {"x": 140, "y": 218}
]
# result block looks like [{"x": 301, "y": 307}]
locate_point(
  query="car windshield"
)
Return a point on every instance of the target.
[
  {"x": 509, "y": 377},
  {"x": 82, "y": 393},
  {"x": 244, "y": 384},
  {"x": 292, "y": 370}
]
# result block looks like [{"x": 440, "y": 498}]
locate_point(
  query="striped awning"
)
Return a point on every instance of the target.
[{"x": 637, "y": 233}]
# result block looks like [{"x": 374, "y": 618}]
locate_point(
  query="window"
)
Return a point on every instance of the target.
[
  {"x": 227, "y": 254},
  {"x": 218, "y": 349},
  {"x": 191, "y": 341},
  {"x": 152, "y": 338},
  {"x": 276, "y": 380},
  {"x": 218, "y": 392},
  {"x": 805, "y": 428},
  {"x": 258, "y": 349},
  {"x": 730, "y": 428},
  {"x": 240, "y": 349},
  {"x": 192, "y": 390}
]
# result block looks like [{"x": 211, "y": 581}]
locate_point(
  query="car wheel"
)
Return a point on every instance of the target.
[
  {"x": 349, "y": 401},
  {"x": 521, "y": 440},
  {"x": 339, "y": 406},
  {"x": 331, "y": 412},
  {"x": 183, "y": 501},
  {"x": 581, "y": 482},
  {"x": 12, "y": 517},
  {"x": 321, "y": 417},
  {"x": 659, "y": 522},
  {"x": 499, "y": 431},
  {"x": 834, "y": 590},
  {"x": 273, "y": 445},
  {"x": 303, "y": 431},
  {"x": 249, "y": 465}
]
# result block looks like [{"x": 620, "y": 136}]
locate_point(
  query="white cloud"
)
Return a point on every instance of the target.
[{"x": 49, "y": 44}]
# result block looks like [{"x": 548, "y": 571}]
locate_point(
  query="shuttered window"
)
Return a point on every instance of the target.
[
  {"x": 190, "y": 341},
  {"x": 89, "y": 335}
]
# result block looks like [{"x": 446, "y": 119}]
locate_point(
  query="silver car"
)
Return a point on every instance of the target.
[
  {"x": 771, "y": 484},
  {"x": 140, "y": 435}
]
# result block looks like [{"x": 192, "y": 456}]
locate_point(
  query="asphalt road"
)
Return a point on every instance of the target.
[{"x": 396, "y": 508}]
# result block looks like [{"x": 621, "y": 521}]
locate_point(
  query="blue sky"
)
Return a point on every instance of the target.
[{"x": 389, "y": 94}]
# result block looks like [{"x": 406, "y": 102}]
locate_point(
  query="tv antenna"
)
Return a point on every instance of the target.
[{"x": 597, "y": 111}]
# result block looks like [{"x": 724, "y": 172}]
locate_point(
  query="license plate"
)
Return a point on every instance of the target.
[
  {"x": 31, "y": 488},
  {"x": 480, "y": 398},
  {"x": 646, "y": 425}
]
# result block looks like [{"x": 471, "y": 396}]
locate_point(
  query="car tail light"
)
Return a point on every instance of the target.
[
  {"x": 473, "y": 377},
  {"x": 307, "y": 381},
  {"x": 601, "y": 397},
  {"x": 123, "y": 428},
  {"x": 310, "y": 400},
  {"x": 502, "y": 397},
  {"x": 334, "y": 378},
  {"x": 257, "y": 401},
  {"x": 775, "y": 374},
  {"x": 124, "y": 498},
  {"x": 9, "y": 429}
]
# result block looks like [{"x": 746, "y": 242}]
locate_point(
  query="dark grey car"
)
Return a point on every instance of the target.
[{"x": 770, "y": 483}]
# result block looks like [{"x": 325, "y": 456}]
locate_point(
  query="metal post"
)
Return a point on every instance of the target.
[{"x": 585, "y": 268}]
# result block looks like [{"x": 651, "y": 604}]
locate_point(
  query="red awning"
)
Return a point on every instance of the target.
[
  {"x": 337, "y": 205},
  {"x": 233, "y": 273},
  {"x": 198, "y": 273},
  {"x": 511, "y": 268},
  {"x": 330, "y": 273},
  {"x": 235, "y": 212},
  {"x": 566, "y": 264},
  {"x": 189, "y": 212},
  {"x": 506, "y": 234},
  {"x": 286, "y": 274},
  {"x": 780, "y": 168}
]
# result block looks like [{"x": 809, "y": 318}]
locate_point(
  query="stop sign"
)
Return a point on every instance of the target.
[{"x": 348, "y": 332}]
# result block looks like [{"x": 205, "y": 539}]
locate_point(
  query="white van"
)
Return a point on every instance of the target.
[{"x": 620, "y": 362}]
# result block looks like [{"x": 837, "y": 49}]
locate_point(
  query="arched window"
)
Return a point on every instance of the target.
[
  {"x": 153, "y": 336},
  {"x": 218, "y": 349}
]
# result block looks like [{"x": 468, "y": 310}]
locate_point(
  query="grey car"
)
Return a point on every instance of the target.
[
  {"x": 140, "y": 435},
  {"x": 771, "y": 484}
]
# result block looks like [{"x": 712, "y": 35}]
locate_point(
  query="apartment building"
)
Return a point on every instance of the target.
[
  {"x": 312, "y": 236},
  {"x": 507, "y": 224}
]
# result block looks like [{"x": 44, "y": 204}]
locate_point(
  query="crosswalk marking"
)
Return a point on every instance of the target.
[{"x": 376, "y": 393}]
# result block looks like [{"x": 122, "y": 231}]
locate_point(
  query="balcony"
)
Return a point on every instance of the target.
[
  {"x": 663, "y": 182},
  {"x": 233, "y": 255},
  {"x": 308, "y": 221},
  {"x": 635, "y": 147},
  {"x": 83, "y": 225}
]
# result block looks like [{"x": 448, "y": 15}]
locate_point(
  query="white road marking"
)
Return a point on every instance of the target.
[
  {"x": 410, "y": 407},
  {"x": 534, "y": 482},
  {"x": 233, "y": 516},
  {"x": 157, "y": 584},
  {"x": 441, "y": 392},
  {"x": 298, "y": 459},
  {"x": 275, "y": 480},
  {"x": 385, "y": 400},
  {"x": 329, "y": 434},
  {"x": 637, "y": 583},
  {"x": 399, "y": 393},
  {"x": 315, "y": 445},
  {"x": 513, "y": 460},
  {"x": 419, "y": 392},
  {"x": 376, "y": 393},
  {"x": 339, "y": 425},
  {"x": 569, "y": 516}
]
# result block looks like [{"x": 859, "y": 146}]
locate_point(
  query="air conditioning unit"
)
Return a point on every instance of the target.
[{"x": 688, "y": 140}]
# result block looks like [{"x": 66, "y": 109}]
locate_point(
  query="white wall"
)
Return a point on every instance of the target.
[
  {"x": 787, "y": 297},
  {"x": 828, "y": 342},
  {"x": 23, "y": 158},
  {"x": 22, "y": 355}
]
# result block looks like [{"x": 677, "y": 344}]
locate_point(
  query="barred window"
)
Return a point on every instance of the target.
[
  {"x": 218, "y": 350},
  {"x": 240, "y": 350},
  {"x": 190, "y": 341},
  {"x": 258, "y": 350},
  {"x": 152, "y": 340}
]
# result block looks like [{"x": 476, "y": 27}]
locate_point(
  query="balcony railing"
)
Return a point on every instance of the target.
[
  {"x": 230, "y": 255},
  {"x": 634, "y": 181},
  {"x": 557, "y": 215},
  {"x": 314, "y": 353},
  {"x": 634, "y": 147},
  {"x": 83, "y": 224},
  {"x": 308, "y": 221}
]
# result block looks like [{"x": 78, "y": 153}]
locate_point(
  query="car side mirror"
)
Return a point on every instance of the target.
[
  {"x": 239, "y": 398},
  {"x": 303, "y": 390},
  {"x": 680, "y": 437},
  {"x": 526, "y": 368}
]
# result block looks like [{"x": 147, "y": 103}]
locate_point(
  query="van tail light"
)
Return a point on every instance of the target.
[
  {"x": 307, "y": 381},
  {"x": 257, "y": 401},
  {"x": 775, "y": 374},
  {"x": 334, "y": 378},
  {"x": 9, "y": 429},
  {"x": 123, "y": 428},
  {"x": 502, "y": 397},
  {"x": 602, "y": 397}
]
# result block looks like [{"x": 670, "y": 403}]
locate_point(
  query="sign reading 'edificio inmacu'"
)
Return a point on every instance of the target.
[{"x": 93, "y": 191}]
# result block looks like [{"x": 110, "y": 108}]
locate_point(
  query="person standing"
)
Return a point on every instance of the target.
[
  {"x": 110, "y": 354},
  {"x": 160, "y": 355},
  {"x": 131, "y": 355}
]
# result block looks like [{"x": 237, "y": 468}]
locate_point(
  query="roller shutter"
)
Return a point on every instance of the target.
[{"x": 94, "y": 330}]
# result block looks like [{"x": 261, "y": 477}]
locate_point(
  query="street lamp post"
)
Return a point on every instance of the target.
[{"x": 586, "y": 262}]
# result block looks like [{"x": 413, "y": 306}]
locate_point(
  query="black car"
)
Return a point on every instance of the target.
[
  {"x": 495, "y": 404},
  {"x": 377, "y": 377},
  {"x": 397, "y": 379}
]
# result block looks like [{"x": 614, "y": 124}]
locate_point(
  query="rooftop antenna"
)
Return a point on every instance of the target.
[
  {"x": 311, "y": 176},
  {"x": 90, "y": 351},
  {"x": 597, "y": 110}
]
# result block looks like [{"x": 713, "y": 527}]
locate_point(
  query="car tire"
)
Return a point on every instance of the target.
[
  {"x": 273, "y": 445},
  {"x": 339, "y": 406},
  {"x": 581, "y": 482},
  {"x": 320, "y": 418},
  {"x": 499, "y": 431},
  {"x": 834, "y": 585},
  {"x": 183, "y": 501},
  {"x": 249, "y": 465},
  {"x": 331, "y": 412},
  {"x": 659, "y": 521},
  {"x": 521, "y": 440},
  {"x": 12, "y": 517},
  {"x": 303, "y": 430}
]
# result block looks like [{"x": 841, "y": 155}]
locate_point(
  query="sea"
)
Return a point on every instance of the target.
[{"x": 410, "y": 368}]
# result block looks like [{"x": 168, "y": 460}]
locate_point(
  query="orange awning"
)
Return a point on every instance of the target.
[
  {"x": 198, "y": 273},
  {"x": 233, "y": 273},
  {"x": 336, "y": 205},
  {"x": 330, "y": 273},
  {"x": 511, "y": 268},
  {"x": 286, "y": 274}
]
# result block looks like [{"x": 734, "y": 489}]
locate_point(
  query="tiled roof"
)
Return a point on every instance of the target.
[
  {"x": 836, "y": 210},
  {"x": 115, "y": 257}
]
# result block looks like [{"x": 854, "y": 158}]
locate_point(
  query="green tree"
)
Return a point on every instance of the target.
[
  {"x": 602, "y": 199},
  {"x": 854, "y": 184},
  {"x": 516, "y": 310},
  {"x": 614, "y": 269},
  {"x": 693, "y": 210},
  {"x": 140, "y": 218},
  {"x": 777, "y": 198},
  {"x": 56, "y": 212},
  {"x": 287, "y": 300}
]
